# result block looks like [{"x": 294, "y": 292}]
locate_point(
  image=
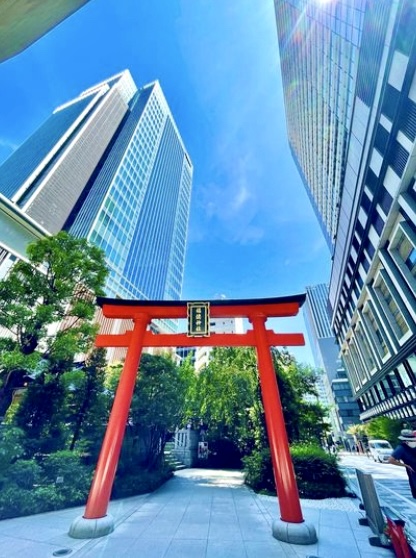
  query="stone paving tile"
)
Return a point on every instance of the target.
[
  {"x": 258, "y": 532},
  {"x": 189, "y": 530},
  {"x": 333, "y": 518},
  {"x": 187, "y": 549},
  {"x": 107, "y": 547},
  {"x": 226, "y": 549},
  {"x": 299, "y": 551},
  {"x": 164, "y": 529},
  {"x": 377, "y": 553},
  {"x": 27, "y": 548},
  {"x": 264, "y": 550},
  {"x": 224, "y": 531},
  {"x": 329, "y": 552},
  {"x": 141, "y": 516}
]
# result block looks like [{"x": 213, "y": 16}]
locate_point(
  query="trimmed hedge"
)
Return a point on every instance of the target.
[
  {"x": 140, "y": 482},
  {"x": 317, "y": 472},
  {"x": 61, "y": 480}
]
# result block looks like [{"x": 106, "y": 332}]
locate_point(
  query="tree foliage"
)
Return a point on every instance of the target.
[
  {"x": 86, "y": 403},
  {"x": 384, "y": 428},
  {"x": 225, "y": 393},
  {"x": 57, "y": 285},
  {"x": 157, "y": 407},
  {"x": 227, "y": 399},
  {"x": 357, "y": 431},
  {"x": 305, "y": 421},
  {"x": 47, "y": 306}
]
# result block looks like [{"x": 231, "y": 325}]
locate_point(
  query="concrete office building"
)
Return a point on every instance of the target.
[
  {"x": 349, "y": 82},
  {"x": 110, "y": 166}
]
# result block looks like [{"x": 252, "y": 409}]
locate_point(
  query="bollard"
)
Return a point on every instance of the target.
[{"x": 395, "y": 530}]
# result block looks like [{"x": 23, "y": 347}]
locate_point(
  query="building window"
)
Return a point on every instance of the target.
[
  {"x": 381, "y": 391},
  {"x": 398, "y": 157},
  {"x": 369, "y": 248},
  {"x": 378, "y": 223},
  {"x": 387, "y": 387},
  {"x": 411, "y": 360},
  {"x": 404, "y": 36},
  {"x": 404, "y": 252},
  {"x": 381, "y": 139},
  {"x": 365, "y": 349},
  {"x": 394, "y": 381},
  {"x": 375, "y": 393},
  {"x": 385, "y": 200},
  {"x": 395, "y": 317},
  {"x": 411, "y": 261},
  {"x": 371, "y": 180},
  {"x": 377, "y": 334},
  {"x": 405, "y": 379}
]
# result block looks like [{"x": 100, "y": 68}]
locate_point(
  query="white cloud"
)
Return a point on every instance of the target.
[
  {"x": 6, "y": 148},
  {"x": 8, "y": 144}
]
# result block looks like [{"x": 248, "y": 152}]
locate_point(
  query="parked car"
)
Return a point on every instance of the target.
[{"x": 380, "y": 450}]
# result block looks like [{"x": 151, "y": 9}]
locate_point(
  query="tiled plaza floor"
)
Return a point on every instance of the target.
[{"x": 197, "y": 514}]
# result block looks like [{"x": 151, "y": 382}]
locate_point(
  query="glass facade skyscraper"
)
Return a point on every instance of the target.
[
  {"x": 349, "y": 77},
  {"x": 110, "y": 166},
  {"x": 318, "y": 56},
  {"x": 325, "y": 349}
]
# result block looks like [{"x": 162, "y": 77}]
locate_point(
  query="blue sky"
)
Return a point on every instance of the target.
[{"x": 252, "y": 229}]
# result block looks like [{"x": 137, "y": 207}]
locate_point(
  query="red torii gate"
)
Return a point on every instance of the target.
[{"x": 95, "y": 522}]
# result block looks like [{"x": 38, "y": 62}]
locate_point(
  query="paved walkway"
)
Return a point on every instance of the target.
[
  {"x": 393, "y": 494},
  {"x": 198, "y": 514}
]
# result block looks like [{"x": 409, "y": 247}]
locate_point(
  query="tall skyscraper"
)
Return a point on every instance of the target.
[
  {"x": 110, "y": 166},
  {"x": 349, "y": 82},
  {"x": 322, "y": 339},
  {"x": 325, "y": 349}
]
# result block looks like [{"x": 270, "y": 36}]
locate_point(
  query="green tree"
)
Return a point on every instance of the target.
[
  {"x": 157, "y": 408},
  {"x": 40, "y": 415},
  {"x": 357, "y": 431},
  {"x": 384, "y": 428},
  {"x": 55, "y": 287},
  {"x": 47, "y": 304},
  {"x": 227, "y": 399},
  {"x": 87, "y": 403},
  {"x": 305, "y": 422},
  {"x": 225, "y": 395}
]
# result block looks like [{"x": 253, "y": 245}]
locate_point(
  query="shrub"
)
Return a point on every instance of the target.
[
  {"x": 317, "y": 472},
  {"x": 11, "y": 447},
  {"x": 24, "y": 473},
  {"x": 65, "y": 470},
  {"x": 49, "y": 498},
  {"x": 259, "y": 471},
  {"x": 140, "y": 482},
  {"x": 16, "y": 501}
]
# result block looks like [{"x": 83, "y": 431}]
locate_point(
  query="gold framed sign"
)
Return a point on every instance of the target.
[{"x": 198, "y": 319}]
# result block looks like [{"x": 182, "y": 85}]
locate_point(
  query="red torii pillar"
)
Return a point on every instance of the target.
[{"x": 291, "y": 527}]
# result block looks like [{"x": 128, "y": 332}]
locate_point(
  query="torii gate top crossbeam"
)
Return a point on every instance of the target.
[{"x": 283, "y": 306}]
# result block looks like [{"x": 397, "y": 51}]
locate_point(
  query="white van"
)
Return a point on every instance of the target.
[{"x": 380, "y": 450}]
